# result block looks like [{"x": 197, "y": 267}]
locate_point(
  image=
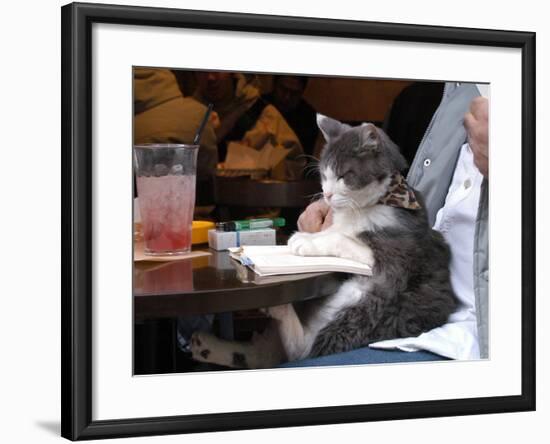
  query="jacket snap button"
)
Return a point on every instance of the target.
[{"x": 427, "y": 162}]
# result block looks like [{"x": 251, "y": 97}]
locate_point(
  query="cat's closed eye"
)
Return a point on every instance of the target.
[{"x": 347, "y": 175}]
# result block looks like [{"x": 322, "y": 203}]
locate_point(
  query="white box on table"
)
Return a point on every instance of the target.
[{"x": 222, "y": 240}]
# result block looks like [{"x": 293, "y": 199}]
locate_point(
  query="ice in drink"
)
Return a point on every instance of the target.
[{"x": 166, "y": 205}]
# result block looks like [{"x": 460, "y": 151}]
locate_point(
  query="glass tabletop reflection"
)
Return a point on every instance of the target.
[{"x": 215, "y": 283}]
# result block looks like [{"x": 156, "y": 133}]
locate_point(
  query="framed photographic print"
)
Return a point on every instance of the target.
[{"x": 186, "y": 133}]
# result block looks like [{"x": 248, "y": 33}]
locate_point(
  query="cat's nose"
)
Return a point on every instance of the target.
[{"x": 328, "y": 195}]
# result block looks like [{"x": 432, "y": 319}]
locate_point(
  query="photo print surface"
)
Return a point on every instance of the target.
[{"x": 285, "y": 220}]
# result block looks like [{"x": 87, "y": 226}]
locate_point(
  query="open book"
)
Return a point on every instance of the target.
[
  {"x": 247, "y": 275},
  {"x": 277, "y": 259}
]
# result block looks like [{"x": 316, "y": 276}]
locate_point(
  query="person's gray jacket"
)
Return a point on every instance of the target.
[{"x": 431, "y": 173}]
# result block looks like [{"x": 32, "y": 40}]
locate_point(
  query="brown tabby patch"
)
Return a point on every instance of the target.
[{"x": 400, "y": 194}]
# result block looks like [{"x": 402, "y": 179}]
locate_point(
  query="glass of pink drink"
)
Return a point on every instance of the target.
[{"x": 166, "y": 177}]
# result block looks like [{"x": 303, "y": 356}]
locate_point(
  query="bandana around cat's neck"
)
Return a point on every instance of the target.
[{"x": 400, "y": 194}]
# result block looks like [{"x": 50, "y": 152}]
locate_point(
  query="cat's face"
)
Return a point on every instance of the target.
[{"x": 356, "y": 164}]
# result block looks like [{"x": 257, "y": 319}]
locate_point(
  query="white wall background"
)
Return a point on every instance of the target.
[{"x": 30, "y": 220}]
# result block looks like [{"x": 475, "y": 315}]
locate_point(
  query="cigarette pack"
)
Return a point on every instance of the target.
[{"x": 222, "y": 240}]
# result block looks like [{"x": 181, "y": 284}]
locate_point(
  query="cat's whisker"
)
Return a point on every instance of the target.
[
  {"x": 310, "y": 168},
  {"x": 309, "y": 156},
  {"x": 308, "y": 171},
  {"x": 355, "y": 207},
  {"x": 313, "y": 197}
]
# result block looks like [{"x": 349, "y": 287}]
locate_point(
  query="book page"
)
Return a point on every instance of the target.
[{"x": 278, "y": 259}]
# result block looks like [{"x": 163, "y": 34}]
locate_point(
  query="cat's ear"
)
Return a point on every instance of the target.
[
  {"x": 370, "y": 138},
  {"x": 329, "y": 127}
]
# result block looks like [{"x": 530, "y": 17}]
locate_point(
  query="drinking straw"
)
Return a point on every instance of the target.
[{"x": 197, "y": 138}]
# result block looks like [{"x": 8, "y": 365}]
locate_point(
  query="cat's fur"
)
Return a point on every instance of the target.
[{"x": 409, "y": 291}]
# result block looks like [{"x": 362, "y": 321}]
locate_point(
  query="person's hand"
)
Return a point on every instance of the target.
[
  {"x": 476, "y": 122},
  {"x": 214, "y": 119},
  {"x": 316, "y": 217}
]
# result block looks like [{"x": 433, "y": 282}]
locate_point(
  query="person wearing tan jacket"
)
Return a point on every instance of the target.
[{"x": 163, "y": 115}]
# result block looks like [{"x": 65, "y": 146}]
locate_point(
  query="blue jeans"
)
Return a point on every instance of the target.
[{"x": 366, "y": 355}]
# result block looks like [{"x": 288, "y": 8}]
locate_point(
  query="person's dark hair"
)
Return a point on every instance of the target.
[{"x": 303, "y": 79}]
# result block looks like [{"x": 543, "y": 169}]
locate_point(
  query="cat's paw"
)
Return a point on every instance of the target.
[
  {"x": 201, "y": 347},
  {"x": 206, "y": 347},
  {"x": 302, "y": 244},
  {"x": 278, "y": 312}
]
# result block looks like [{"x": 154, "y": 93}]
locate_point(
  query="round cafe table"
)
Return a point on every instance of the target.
[{"x": 216, "y": 284}]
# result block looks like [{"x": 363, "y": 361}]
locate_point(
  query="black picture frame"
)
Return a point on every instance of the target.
[{"x": 77, "y": 20}]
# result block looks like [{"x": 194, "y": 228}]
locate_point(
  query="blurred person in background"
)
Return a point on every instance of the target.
[
  {"x": 410, "y": 115},
  {"x": 288, "y": 97},
  {"x": 244, "y": 117},
  {"x": 163, "y": 115}
]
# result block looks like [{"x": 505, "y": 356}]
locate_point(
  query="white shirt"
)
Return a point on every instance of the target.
[{"x": 457, "y": 339}]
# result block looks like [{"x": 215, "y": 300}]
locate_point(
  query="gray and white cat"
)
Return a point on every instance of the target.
[{"x": 377, "y": 220}]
